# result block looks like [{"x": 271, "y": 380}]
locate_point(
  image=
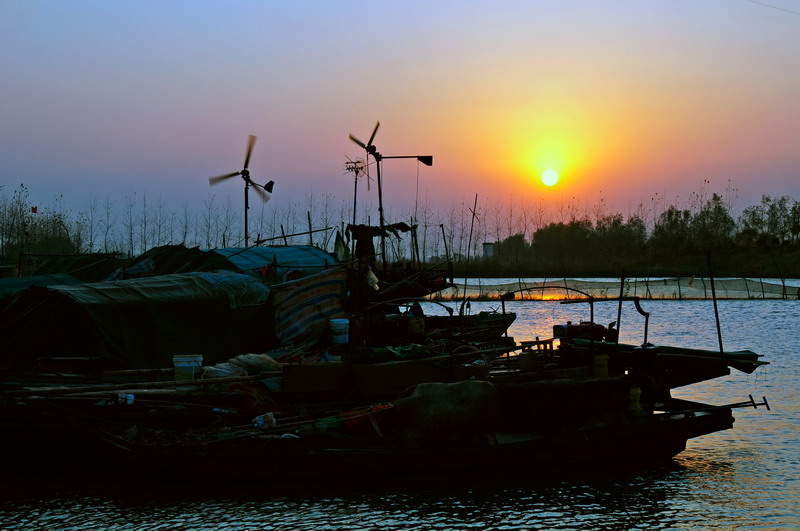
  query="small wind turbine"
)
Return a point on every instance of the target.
[
  {"x": 263, "y": 190},
  {"x": 370, "y": 148}
]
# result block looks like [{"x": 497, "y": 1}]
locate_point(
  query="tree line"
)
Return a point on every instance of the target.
[
  {"x": 763, "y": 241},
  {"x": 513, "y": 238}
]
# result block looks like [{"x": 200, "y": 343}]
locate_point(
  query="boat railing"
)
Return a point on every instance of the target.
[
  {"x": 636, "y": 302},
  {"x": 590, "y": 300}
]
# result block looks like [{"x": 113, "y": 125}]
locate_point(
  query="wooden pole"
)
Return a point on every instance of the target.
[
  {"x": 377, "y": 157},
  {"x": 619, "y": 308},
  {"x": 56, "y": 391},
  {"x": 284, "y": 236},
  {"x": 714, "y": 298},
  {"x": 246, "y": 208},
  {"x": 469, "y": 247},
  {"x": 447, "y": 253}
]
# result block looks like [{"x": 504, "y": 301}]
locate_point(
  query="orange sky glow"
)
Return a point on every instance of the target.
[{"x": 626, "y": 101}]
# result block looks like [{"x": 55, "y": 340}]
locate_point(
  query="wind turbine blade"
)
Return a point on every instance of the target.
[
  {"x": 359, "y": 142},
  {"x": 251, "y": 141},
  {"x": 371, "y": 138},
  {"x": 219, "y": 178},
  {"x": 260, "y": 192}
]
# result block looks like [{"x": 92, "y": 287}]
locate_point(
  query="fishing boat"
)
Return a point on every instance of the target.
[
  {"x": 401, "y": 321},
  {"x": 453, "y": 427},
  {"x": 344, "y": 408},
  {"x": 661, "y": 368},
  {"x": 338, "y": 419},
  {"x": 281, "y": 456}
]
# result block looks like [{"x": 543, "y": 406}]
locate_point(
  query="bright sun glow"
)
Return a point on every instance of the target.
[{"x": 550, "y": 177}]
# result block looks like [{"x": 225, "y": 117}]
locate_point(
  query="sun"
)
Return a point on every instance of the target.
[{"x": 550, "y": 177}]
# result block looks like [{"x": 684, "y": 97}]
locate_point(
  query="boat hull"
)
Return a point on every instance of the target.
[{"x": 653, "y": 438}]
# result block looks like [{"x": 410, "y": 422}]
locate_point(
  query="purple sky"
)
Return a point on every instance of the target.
[{"x": 624, "y": 99}]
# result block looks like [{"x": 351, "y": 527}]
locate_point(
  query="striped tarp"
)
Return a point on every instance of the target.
[{"x": 304, "y": 307}]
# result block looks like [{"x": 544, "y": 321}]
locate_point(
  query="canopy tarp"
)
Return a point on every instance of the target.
[
  {"x": 169, "y": 259},
  {"x": 89, "y": 267},
  {"x": 272, "y": 263},
  {"x": 303, "y": 260},
  {"x": 9, "y": 286},
  {"x": 139, "y": 323}
]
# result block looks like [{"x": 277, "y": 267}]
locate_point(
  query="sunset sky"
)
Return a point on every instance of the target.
[{"x": 624, "y": 99}]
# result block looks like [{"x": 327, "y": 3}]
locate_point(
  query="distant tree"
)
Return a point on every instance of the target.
[
  {"x": 611, "y": 233},
  {"x": 144, "y": 225},
  {"x": 26, "y": 228},
  {"x": 208, "y": 223},
  {"x": 512, "y": 249},
  {"x": 162, "y": 223},
  {"x": 672, "y": 232},
  {"x": 794, "y": 221},
  {"x": 560, "y": 244},
  {"x": 637, "y": 229},
  {"x": 129, "y": 222},
  {"x": 227, "y": 228},
  {"x": 185, "y": 224},
  {"x": 713, "y": 226},
  {"x": 89, "y": 215},
  {"x": 752, "y": 226},
  {"x": 423, "y": 217},
  {"x": 108, "y": 220},
  {"x": 769, "y": 223},
  {"x": 326, "y": 218},
  {"x": 778, "y": 217}
]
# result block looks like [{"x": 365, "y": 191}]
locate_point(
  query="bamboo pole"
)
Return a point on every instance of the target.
[
  {"x": 619, "y": 307},
  {"x": 714, "y": 297},
  {"x": 55, "y": 391}
]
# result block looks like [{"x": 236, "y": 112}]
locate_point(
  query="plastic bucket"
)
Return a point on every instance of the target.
[
  {"x": 340, "y": 330},
  {"x": 187, "y": 367}
]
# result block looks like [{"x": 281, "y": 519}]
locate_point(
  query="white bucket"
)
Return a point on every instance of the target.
[
  {"x": 187, "y": 367},
  {"x": 340, "y": 330}
]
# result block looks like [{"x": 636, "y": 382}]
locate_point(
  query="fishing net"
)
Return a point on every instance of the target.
[{"x": 682, "y": 288}]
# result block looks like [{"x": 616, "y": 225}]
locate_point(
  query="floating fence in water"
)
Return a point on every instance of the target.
[{"x": 680, "y": 288}]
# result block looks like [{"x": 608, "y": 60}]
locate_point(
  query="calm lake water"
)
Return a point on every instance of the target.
[{"x": 745, "y": 478}]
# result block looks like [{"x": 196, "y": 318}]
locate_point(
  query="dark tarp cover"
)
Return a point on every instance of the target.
[
  {"x": 138, "y": 323},
  {"x": 271, "y": 263},
  {"x": 169, "y": 259},
  {"x": 9, "y": 286},
  {"x": 304, "y": 259},
  {"x": 93, "y": 267}
]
